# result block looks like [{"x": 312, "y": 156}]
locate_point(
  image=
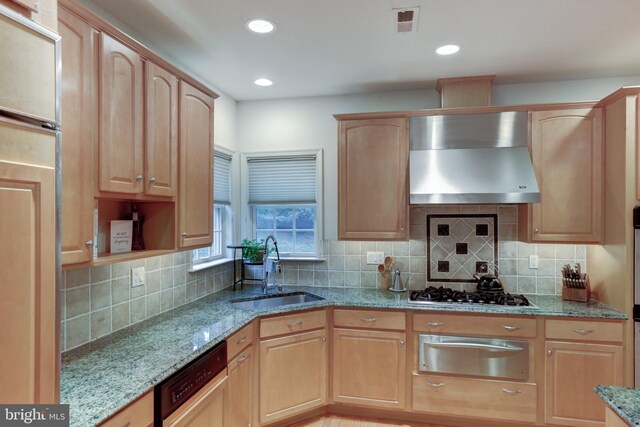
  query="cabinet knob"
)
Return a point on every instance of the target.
[
  {"x": 402, "y": 229},
  {"x": 549, "y": 352},
  {"x": 536, "y": 231},
  {"x": 139, "y": 178},
  {"x": 89, "y": 243},
  {"x": 183, "y": 235},
  {"x": 152, "y": 180},
  {"x": 401, "y": 343},
  {"x": 324, "y": 339}
]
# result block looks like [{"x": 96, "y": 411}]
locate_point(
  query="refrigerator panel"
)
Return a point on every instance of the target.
[{"x": 30, "y": 62}]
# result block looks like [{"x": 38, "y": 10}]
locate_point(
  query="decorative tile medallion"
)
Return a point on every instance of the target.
[{"x": 460, "y": 246}]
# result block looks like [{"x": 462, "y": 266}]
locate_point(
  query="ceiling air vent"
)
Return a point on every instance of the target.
[{"x": 405, "y": 20}]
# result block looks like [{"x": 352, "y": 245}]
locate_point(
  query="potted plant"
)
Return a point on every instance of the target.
[{"x": 254, "y": 251}]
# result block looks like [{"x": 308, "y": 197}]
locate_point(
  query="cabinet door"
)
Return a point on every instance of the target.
[
  {"x": 572, "y": 370},
  {"x": 195, "y": 198},
  {"x": 120, "y": 154},
  {"x": 373, "y": 160},
  {"x": 241, "y": 389},
  {"x": 28, "y": 363},
  {"x": 207, "y": 408},
  {"x": 79, "y": 107},
  {"x": 161, "y": 124},
  {"x": 567, "y": 152},
  {"x": 358, "y": 357},
  {"x": 293, "y": 375}
]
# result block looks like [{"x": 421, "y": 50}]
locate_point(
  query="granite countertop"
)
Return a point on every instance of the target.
[
  {"x": 102, "y": 377},
  {"x": 623, "y": 400}
]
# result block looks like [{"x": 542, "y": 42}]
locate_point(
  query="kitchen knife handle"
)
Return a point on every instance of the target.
[
  {"x": 511, "y": 327},
  {"x": 435, "y": 323},
  {"x": 583, "y": 331},
  {"x": 435, "y": 385}
]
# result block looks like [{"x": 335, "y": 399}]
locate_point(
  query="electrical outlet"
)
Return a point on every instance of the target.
[
  {"x": 137, "y": 277},
  {"x": 375, "y": 257},
  {"x": 533, "y": 261}
]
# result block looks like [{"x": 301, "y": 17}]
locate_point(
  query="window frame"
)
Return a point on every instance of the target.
[
  {"x": 256, "y": 206},
  {"x": 248, "y": 213}
]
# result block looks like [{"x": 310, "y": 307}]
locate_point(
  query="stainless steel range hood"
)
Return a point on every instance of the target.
[{"x": 472, "y": 158}]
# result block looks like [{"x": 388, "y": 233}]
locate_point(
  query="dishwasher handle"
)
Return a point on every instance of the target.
[{"x": 475, "y": 346}]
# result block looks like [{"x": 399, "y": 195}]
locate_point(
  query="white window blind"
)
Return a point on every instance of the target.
[
  {"x": 282, "y": 179},
  {"x": 221, "y": 178}
]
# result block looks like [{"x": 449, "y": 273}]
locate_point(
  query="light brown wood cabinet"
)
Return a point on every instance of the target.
[
  {"x": 293, "y": 374},
  {"x": 208, "y": 407},
  {"x": 137, "y": 414},
  {"x": 28, "y": 364},
  {"x": 195, "y": 195},
  {"x": 241, "y": 381},
  {"x": 614, "y": 420},
  {"x": 568, "y": 157},
  {"x": 121, "y": 167},
  {"x": 373, "y": 159},
  {"x": 358, "y": 357},
  {"x": 572, "y": 370},
  {"x": 79, "y": 110},
  {"x": 161, "y": 136}
]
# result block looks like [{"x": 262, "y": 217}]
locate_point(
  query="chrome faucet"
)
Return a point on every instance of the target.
[{"x": 265, "y": 273}]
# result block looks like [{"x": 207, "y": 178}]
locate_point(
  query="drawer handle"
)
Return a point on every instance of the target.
[
  {"x": 240, "y": 341},
  {"x": 511, "y": 391},
  {"x": 242, "y": 358},
  {"x": 435, "y": 323},
  {"x": 368, "y": 319},
  {"x": 296, "y": 323},
  {"x": 511, "y": 327},
  {"x": 435, "y": 385},
  {"x": 583, "y": 331}
]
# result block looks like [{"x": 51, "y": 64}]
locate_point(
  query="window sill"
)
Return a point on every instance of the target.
[
  {"x": 204, "y": 265},
  {"x": 303, "y": 259}
]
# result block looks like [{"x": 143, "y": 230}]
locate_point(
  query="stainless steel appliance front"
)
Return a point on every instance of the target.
[{"x": 484, "y": 357}]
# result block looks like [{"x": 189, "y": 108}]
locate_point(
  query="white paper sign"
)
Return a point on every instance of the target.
[{"x": 121, "y": 236}]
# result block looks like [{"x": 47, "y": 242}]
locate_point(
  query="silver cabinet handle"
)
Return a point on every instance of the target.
[
  {"x": 296, "y": 323},
  {"x": 152, "y": 180},
  {"x": 472, "y": 345},
  {"x": 549, "y": 352},
  {"x": 183, "y": 235},
  {"x": 242, "y": 358},
  {"x": 583, "y": 331},
  {"x": 435, "y": 323},
  {"x": 511, "y": 391},
  {"x": 139, "y": 178},
  {"x": 401, "y": 343},
  {"x": 435, "y": 385},
  {"x": 89, "y": 243},
  {"x": 243, "y": 339},
  {"x": 368, "y": 319},
  {"x": 536, "y": 231},
  {"x": 511, "y": 327}
]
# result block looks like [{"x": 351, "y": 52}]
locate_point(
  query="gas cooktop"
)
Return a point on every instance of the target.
[{"x": 448, "y": 296}]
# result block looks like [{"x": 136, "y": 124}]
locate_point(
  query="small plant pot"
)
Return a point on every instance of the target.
[{"x": 258, "y": 258}]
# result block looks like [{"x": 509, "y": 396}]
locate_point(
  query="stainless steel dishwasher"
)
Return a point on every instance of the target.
[{"x": 483, "y": 357}]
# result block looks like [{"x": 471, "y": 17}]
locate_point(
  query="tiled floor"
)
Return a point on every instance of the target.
[{"x": 341, "y": 421}]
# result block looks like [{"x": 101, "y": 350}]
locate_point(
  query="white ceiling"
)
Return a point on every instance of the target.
[{"x": 324, "y": 47}]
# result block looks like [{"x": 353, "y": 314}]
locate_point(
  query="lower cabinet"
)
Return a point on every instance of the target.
[
  {"x": 241, "y": 389},
  {"x": 472, "y": 397},
  {"x": 293, "y": 374},
  {"x": 208, "y": 407},
  {"x": 614, "y": 420},
  {"x": 572, "y": 371},
  {"x": 138, "y": 414},
  {"x": 369, "y": 368}
]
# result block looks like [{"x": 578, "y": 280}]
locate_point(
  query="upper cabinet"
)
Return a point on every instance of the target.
[
  {"x": 373, "y": 158},
  {"x": 195, "y": 197},
  {"x": 567, "y": 153},
  {"x": 121, "y": 119},
  {"x": 161, "y": 125}
]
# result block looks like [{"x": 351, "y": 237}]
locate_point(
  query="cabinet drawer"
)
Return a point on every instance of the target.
[
  {"x": 239, "y": 340},
  {"x": 292, "y": 323},
  {"x": 370, "y": 319},
  {"x": 584, "y": 330},
  {"x": 139, "y": 413},
  {"x": 475, "y": 397},
  {"x": 475, "y": 325}
]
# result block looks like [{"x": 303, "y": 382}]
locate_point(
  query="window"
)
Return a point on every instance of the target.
[
  {"x": 221, "y": 211},
  {"x": 283, "y": 196}
]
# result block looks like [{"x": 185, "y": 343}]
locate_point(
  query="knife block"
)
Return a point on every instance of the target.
[{"x": 576, "y": 290}]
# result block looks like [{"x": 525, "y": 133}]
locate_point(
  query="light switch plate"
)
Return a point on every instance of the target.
[
  {"x": 137, "y": 277},
  {"x": 533, "y": 261},
  {"x": 375, "y": 257}
]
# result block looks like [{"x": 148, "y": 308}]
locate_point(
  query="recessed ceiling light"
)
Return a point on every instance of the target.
[
  {"x": 447, "y": 49},
  {"x": 260, "y": 26},
  {"x": 263, "y": 82}
]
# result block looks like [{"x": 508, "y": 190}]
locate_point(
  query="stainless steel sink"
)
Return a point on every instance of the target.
[{"x": 276, "y": 300}]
